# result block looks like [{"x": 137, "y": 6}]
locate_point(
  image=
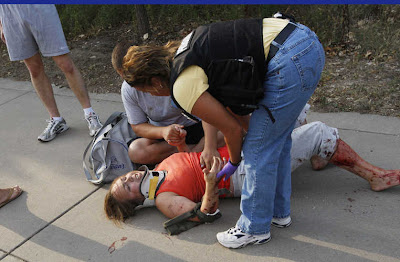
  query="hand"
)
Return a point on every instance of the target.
[
  {"x": 206, "y": 158},
  {"x": 174, "y": 134},
  {"x": 211, "y": 176},
  {"x": 228, "y": 170}
]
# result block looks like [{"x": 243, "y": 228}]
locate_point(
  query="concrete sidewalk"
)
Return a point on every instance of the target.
[{"x": 59, "y": 217}]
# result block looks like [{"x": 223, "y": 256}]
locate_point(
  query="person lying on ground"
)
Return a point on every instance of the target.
[
  {"x": 9, "y": 194},
  {"x": 155, "y": 120},
  {"x": 184, "y": 183}
]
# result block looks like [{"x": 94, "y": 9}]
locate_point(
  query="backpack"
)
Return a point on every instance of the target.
[{"x": 108, "y": 156}]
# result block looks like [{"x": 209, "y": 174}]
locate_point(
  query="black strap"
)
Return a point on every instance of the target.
[
  {"x": 181, "y": 223},
  {"x": 280, "y": 39},
  {"x": 269, "y": 113}
]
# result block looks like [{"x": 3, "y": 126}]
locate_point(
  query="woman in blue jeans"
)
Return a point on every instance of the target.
[{"x": 220, "y": 73}]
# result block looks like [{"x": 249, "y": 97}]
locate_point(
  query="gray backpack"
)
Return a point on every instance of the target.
[{"x": 108, "y": 156}]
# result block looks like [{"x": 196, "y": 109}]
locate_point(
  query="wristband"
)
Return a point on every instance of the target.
[{"x": 237, "y": 164}]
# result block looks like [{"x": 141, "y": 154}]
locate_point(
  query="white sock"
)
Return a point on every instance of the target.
[
  {"x": 57, "y": 118},
  {"x": 88, "y": 111}
]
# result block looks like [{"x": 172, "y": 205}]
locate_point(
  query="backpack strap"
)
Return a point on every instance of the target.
[{"x": 112, "y": 118}]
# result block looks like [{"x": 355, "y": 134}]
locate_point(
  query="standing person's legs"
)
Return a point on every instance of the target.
[
  {"x": 49, "y": 36},
  {"x": 25, "y": 31},
  {"x": 307, "y": 58},
  {"x": 266, "y": 192},
  {"x": 281, "y": 215},
  {"x": 44, "y": 90},
  {"x": 76, "y": 83},
  {"x": 53, "y": 44},
  {"x": 74, "y": 78},
  {"x": 42, "y": 84},
  {"x": 292, "y": 76}
]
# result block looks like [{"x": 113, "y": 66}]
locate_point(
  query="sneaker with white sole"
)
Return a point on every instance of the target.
[
  {"x": 53, "y": 128},
  {"x": 236, "y": 238},
  {"x": 94, "y": 123},
  {"x": 281, "y": 222}
]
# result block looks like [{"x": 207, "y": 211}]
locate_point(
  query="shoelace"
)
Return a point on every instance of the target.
[
  {"x": 50, "y": 124},
  {"x": 91, "y": 118},
  {"x": 233, "y": 230}
]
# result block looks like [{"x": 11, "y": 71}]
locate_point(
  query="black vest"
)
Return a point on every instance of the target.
[{"x": 232, "y": 56}]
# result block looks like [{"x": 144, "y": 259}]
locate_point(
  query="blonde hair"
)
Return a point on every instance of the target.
[
  {"x": 116, "y": 210},
  {"x": 142, "y": 63}
]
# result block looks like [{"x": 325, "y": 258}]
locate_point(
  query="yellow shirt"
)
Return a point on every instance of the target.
[{"x": 193, "y": 81}]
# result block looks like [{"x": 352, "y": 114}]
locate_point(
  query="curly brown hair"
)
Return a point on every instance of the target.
[
  {"x": 116, "y": 210},
  {"x": 142, "y": 63}
]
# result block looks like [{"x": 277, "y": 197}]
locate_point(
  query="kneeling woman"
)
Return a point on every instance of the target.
[{"x": 182, "y": 184}]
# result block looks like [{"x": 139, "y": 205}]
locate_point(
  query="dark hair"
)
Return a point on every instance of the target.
[
  {"x": 118, "y": 211},
  {"x": 119, "y": 52}
]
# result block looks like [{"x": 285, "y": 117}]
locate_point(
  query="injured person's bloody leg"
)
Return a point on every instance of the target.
[{"x": 378, "y": 178}]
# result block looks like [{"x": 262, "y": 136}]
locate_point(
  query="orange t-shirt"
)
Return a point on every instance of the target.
[{"x": 185, "y": 176}]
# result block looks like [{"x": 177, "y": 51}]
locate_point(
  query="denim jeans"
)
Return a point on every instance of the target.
[{"x": 291, "y": 79}]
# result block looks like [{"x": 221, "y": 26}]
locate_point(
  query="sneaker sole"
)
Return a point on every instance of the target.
[
  {"x": 281, "y": 226},
  {"x": 255, "y": 242},
  {"x": 51, "y": 138}
]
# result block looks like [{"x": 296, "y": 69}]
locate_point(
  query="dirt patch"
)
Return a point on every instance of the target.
[
  {"x": 363, "y": 85},
  {"x": 350, "y": 82}
]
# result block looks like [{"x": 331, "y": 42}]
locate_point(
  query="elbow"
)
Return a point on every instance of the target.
[
  {"x": 138, "y": 130},
  {"x": 135, "y": 128}
]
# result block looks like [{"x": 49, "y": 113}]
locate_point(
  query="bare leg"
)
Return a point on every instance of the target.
[
  {"x": 378, "y": 178},
  {"x": 74, "y": 78},
  {"x": 149, "y": 151},
  {"x": 41, "y": 83}
]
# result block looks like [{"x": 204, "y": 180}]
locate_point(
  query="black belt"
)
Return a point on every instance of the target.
[{"x": 280, "y": 39}]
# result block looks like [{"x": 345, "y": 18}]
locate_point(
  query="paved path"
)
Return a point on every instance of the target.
[{"x": 336, "y": 217}]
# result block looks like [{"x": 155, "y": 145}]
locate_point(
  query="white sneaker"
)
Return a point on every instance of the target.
[
  {"x": 53, "y": 128},
  {"x": 94, "y": 123},
  {"x": 281, "y": 222},
  {"x": 236, "y": 238}
]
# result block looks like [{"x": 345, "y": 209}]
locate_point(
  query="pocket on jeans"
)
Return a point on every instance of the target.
[{"x": 309, "y": 64}]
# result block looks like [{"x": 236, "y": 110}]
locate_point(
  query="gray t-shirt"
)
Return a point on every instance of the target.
[{"x": 141, "y": 107}]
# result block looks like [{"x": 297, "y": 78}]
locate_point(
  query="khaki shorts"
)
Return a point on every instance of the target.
[{"x": 30, "y": 28}]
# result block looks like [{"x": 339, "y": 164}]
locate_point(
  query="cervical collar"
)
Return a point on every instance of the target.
[{"x": 150, "y": 183}]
